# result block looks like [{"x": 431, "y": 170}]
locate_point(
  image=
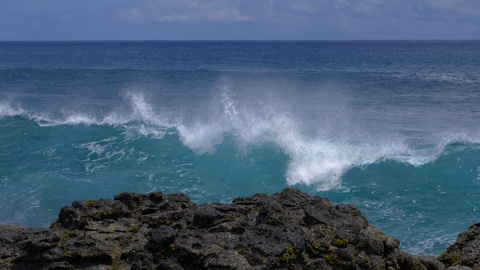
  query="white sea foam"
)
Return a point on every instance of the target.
[
  {"x": 320, "y": 149},
  {"x": 451, "y": 77},
  {"x": 6, "y": 109},
  {"x": 321, "y": 137},
  {"x": 77, "y": 119},
  {"x": 11, "y": 109},
  {"x": 141, "y": 109},
  {"x": 201, "y": 138},
  {"x": 318, "y": 160}
]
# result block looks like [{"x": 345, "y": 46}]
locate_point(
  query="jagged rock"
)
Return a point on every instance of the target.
[
  {"x": 465, "y": 251},
  {"x": 288, "y": 230},
  {"x": 432, "y": 263}
]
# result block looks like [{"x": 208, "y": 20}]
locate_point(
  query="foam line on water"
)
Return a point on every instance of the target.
[{"x": 135, "y": 113}]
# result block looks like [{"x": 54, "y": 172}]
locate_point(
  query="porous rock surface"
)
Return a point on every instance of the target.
[
  {"x": 466, "y": 250},
  {"x": 288, "y": 230}
]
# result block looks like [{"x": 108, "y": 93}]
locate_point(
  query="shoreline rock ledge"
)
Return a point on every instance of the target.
[{"x": 288, "y": 230}]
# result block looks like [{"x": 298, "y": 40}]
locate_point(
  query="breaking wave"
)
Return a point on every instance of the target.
[{"x": 322, "y": 142}]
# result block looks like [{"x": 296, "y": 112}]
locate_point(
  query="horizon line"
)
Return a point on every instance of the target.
[{"x": 229, "y": 40}]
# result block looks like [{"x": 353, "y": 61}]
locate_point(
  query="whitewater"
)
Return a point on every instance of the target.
[{"x": 390, "y": 126}]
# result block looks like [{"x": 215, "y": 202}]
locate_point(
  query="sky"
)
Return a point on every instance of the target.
[{"x": 239, "y": 19}]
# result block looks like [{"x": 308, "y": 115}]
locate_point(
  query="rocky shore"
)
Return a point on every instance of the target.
[{"x": 288, "y": 230}]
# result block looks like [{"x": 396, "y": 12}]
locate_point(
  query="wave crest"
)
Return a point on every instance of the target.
[{"x": 320, "y": 146}]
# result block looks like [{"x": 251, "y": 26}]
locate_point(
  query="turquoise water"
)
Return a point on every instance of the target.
[{"x": 392, "y": 127}]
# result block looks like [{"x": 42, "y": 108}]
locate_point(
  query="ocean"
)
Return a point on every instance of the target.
[{"x": 390, "y": 126}]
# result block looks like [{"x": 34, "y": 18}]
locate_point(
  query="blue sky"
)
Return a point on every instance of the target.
[{"x": 238, "y": 19}]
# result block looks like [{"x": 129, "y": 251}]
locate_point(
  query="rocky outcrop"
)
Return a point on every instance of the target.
[
  {"x": 288, "y": 230},
  {"x": 465, "y": 251}
]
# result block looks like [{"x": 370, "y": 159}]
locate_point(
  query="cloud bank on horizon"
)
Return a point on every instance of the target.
[{"x": 238, "y": 19}]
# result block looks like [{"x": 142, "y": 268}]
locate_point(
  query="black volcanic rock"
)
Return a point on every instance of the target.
[
  {"x": 288, "y": 230},
  {"x": 465, "y": 251}
]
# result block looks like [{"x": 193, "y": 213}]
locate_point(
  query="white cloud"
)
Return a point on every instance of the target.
[
  {"x": 132, "y": 14},
  {"x": 185, "y": 11},
  {"x": 304, "y": 7},
  {"x": 376, "y": 2},
  {"x": 367, "y": 8},
  {"x": 463, "y": 7},
  {"x": 224, "y": 15},
  {"x": 228, "y": 15},
  {"x": 173, "y": 18},
  {"x": 341, "y": 3},
  {"x": 284, "y": 19}
]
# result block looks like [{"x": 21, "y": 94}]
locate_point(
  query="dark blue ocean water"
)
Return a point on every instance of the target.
[{"x": 390, "y": 126}]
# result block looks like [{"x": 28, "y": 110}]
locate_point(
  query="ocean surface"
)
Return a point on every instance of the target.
[{"x": 390, "y": 126}]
